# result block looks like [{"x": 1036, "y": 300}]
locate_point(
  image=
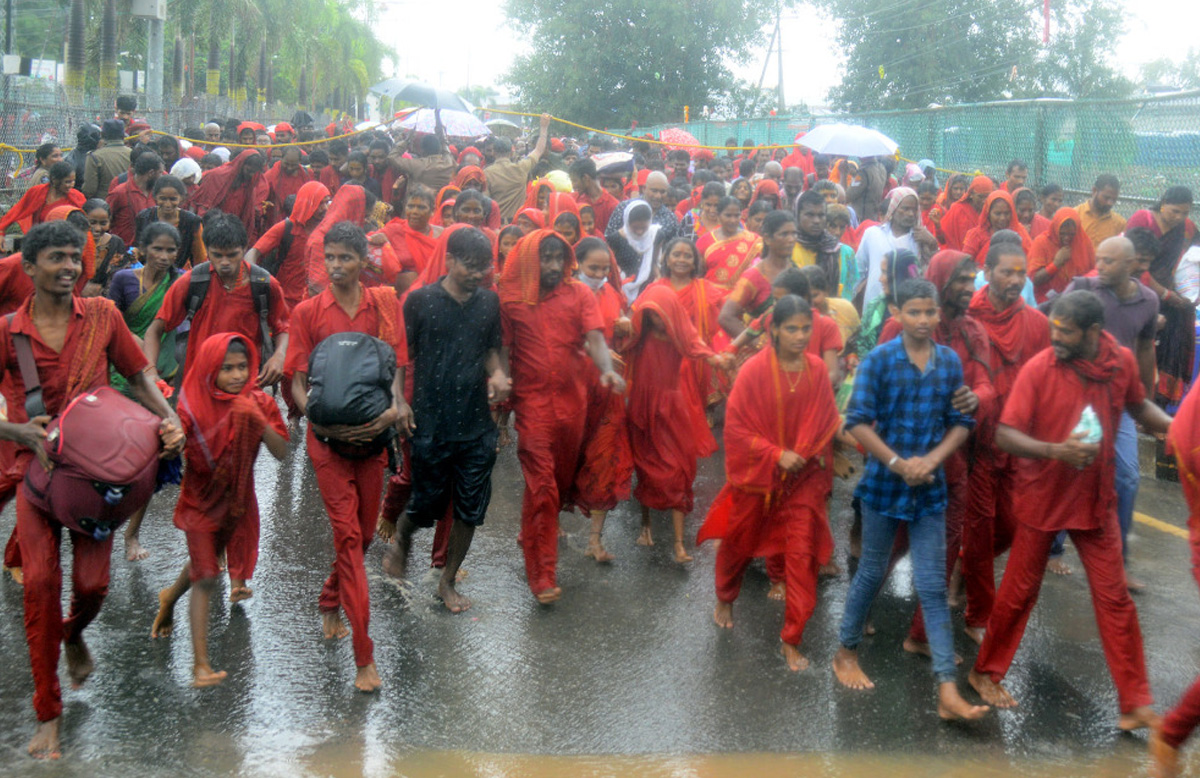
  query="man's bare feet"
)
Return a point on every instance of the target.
[
  {"x": 367, "y": 679},
  {"x": 1138, "y": 718},
  {"x": 723, "y": 615},
  {"x": 778, "y": 591},
  {"x": 596, "y": 549},
  {"x": 796, "y": 661},
  {"x": 992, "y": 693},
  {"x": 79, "y": 662},
  {"x": 849, "y": 674},
  {"x": 1057, "y": 566},
  {"x": 134, "y": 550},
  {"x": 645, "y": 539},
  {"x": 681, "y": 554},
  {"x": 17, "y": 575},
  {"x": 922, "y": 649},
  {"x": 504, "y": 438},
  {"x": 204, "y": 675},
  {"x": 239, "y": 593},
  {"x": 44, "y": 744},
  {"x": 395, "y": 563},
  {"x": 1164, "y": 760},
  {"x": 829, "y": 570},
  {"x": 1136, "y": 586},
  {"x": 454, "y": 602},
  {"x": 955, "y": 596},
  {"x": 951, "y": 705},
  {"x": 547, "y": 596},
  {"x": 332, "y": 625},
  {"x": 975, "y": 633},
  {"x": 385, "y": 529},
  {"x": 164, "y": 620}
]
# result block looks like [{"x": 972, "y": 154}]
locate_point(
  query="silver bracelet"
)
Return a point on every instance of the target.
[{"x": 895, "y": 458}]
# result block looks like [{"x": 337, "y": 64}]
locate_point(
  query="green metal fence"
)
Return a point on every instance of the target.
[{"x": 1149, "y": 143}]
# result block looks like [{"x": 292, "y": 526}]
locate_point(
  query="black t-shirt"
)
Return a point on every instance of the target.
[{"x": 448, "y": 342}]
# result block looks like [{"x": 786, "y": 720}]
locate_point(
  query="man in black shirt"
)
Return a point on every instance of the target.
[{"x": 453, "y": 331}]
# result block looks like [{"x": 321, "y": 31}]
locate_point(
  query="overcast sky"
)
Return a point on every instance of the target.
[{"x": 477, "y": 48}]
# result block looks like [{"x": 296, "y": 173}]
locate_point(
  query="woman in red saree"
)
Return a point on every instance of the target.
[
  {"x": 606, "y": 462},
  {"x": 563, "y": 217},
  {"x": 530, "y": 219},
  {"x": 443, "y": 201},
  {"x": 779, "y": 427},
  {"x": 350, "y": 205},
  {"x": 730, "y": 249},
  {"x": 537, "y": 194},
  {"x": 1059, "y": 254},
  {"x": 238, "y": 188},
  {"x": 35, "y": 205},
  {"x": 667, "y": 427},
  {"x": 963, "y": 213},
  {"x": 682, "y": 273},
  {"x": 999, "y": 213},
  {"x": 414, "y": 235}
]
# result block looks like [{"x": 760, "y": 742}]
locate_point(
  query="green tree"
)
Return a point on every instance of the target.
[
  {"x": 478, "y": 96},
  {"x": 1083, "y": 39},
  {"x": 609, "y": 62},
  {"x": 1168, "y": 72},
  {"x": 914, "y": 53}
]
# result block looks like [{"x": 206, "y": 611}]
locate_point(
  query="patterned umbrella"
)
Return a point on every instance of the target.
[
  {"x": 678, "y": 138},
  {"x": 458, "y": 124}
]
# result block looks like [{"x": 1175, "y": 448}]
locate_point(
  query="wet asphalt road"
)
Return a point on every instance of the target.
[{"x": 625, "y": 675}]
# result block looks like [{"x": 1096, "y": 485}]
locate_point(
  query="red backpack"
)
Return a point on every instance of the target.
[{"x": 104, "y": 447}]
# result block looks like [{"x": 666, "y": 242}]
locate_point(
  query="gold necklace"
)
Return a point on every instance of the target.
[{"x": 787, "y": 374}]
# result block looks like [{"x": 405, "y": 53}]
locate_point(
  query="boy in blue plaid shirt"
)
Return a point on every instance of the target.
[{"x": 904, "y": 413}]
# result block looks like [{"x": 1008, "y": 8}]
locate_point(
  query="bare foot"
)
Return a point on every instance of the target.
[
  {"x": 385, "y": 529},
  {"x": 596, "y": 549},
  {"x": 1057, "y": 566},
  {"x": 795, "y": 660},
  {"x": 367, "y": 679},
  {"x": 681, "y": 554},
  {"x": 723, "y": 615},
  {"x": 17, "y": 575},
  {"x": 454, "y": 602},
  {"x": 562, "y": 533},
  {"x": 164, "y": 621},
  {"x": 1164, "y": 759},
  {"x": 548, "y": 596},
  {"x": 992, "y": 693},
  {"x": 1139, "y": 718},
  {"x": 645, "y": 539},
  {"x": 1135, "y": 585},
  {"x": 956, "y": 598},
  {"x": 503, "y": 439},
  {"x": 922, "y": 649},
  {"x": 829, "y": 570},
  {"x": 44, "y": 744},
  {"x": 778, "y": 591},
  {"x": 134, "y": 550},
  {"x": 395, "y": 564},
  {"x": 461, "y": 575},
  {"x": 951, "y": 705},
  {"x": 849, "y": 674},
  {"x": 332, "y": 625},
  {"x": 239, "y": 593},
  {"x": 79, "y": 662},
  {"x": 203, "y": 676},
  {"x": 975, "y": 633}
]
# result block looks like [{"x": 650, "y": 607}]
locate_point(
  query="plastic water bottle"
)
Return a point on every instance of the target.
[{"x": 1089, "y": 426}]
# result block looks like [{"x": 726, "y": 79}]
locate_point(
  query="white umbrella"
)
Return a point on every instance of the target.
[
  {"x": 458, "y": 124},
  {"x": 848, "y": 140},
  {"x": 504, "y": 127}
]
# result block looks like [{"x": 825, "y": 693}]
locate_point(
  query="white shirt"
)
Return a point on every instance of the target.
[{"x": 877, "y": 241}]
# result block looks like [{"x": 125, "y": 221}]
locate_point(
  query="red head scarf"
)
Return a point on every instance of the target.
[
  {"x": 468, "y": 174},
  {"x": 216, "y": 190},
  {"x": 447, "y": 192},
  {"x": 979, "y": 185},
  {"x": 435, "y": 268},
  {"x": 308, "y": 200},
  {"x": 224, "y": 429},
  {"x": 534, "y": 215},
  {"x": 531, "y": 192},
  {"x": 284, "y": 127},
  {"x": 662, "y": 300},
  {"x": 1046, "y": 245},
  {"x": 469, "y": 150},
  {"x": 766, "y": 187},
  {"x": 349, "y": 205},
  {"x": 561, "y": 202},
  {"x": 521, "y": 281}
]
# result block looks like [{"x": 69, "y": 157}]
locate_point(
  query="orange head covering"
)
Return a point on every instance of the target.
[
  {"x": 308, "y": 201},
  {"x": 468, "y": 174},
  {"x": 1046, "y": 245},
  {"x": 980, "y": 185},
  {"x": 469, "y": 150},
  {"x": 662, "y": 300},
  {"x": 60, "y": 214},
  {"x": 435, "y": 268},
  {"x": 521, "y": 280},
  {"x": 561, "y": 202},
  {"x": 532, "y": 191},
  {"x": 534, "y": 215},
  {"x": 985, "y": 222},
  {"x": 447, "y": 192}
]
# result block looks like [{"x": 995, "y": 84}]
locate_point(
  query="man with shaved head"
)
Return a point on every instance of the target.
[
  {"x": 1130, "y": 316},
  {"x": 655, "y": 194},
  {"x": 773, "y": 171}
]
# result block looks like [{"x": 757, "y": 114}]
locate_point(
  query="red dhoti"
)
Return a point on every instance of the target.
[
  {"x": 987, "y": 531},
  {"x": 548, "y": 449}
]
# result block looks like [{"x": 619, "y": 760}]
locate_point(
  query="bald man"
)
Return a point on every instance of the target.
[
  {"x": 1130, "y": 316},
  {"x": 654, "y": 193},
  {"x": 774, "y": 171}
]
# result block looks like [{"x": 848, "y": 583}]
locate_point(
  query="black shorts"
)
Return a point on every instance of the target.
[{"x": 458, "y": 471}]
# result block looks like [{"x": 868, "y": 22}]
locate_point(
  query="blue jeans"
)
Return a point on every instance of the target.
[
  {"x": 1127, "y": 479},
  {"x": 927, "y": 547}
]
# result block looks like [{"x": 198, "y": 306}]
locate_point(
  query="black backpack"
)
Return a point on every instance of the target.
[
  {"x": 274, "y": 258},
  {"x": 350, "y": 377},
  {"x": 260, "y": 292}
]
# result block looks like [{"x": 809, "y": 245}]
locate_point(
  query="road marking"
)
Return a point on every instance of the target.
[{"x": 1162, "y": 526}]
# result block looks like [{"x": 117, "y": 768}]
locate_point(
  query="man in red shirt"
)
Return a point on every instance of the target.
[
  {"x": 1015, "y": 332},
  {"x": 127, "y": 199},
  {"x": 350, "y": 488},
  {"x": 548, "y": 318},
  {"x": 1065, "y": 481},
  {"x": 312, "y": 201},
  {"x": 589, "y": 192},
  {"x": 74, "y": 342}
]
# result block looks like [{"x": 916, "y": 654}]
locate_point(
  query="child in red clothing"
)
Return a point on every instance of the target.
[{"x": 225, "y": 416}]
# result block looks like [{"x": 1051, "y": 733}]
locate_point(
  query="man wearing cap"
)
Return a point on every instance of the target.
[{"x": 107, "y": 162}]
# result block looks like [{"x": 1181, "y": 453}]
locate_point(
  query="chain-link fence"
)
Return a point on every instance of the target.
[{"x": 1149, "y": 143}]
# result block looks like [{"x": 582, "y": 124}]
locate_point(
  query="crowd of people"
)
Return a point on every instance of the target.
[{"x": 990, "y": 354}]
